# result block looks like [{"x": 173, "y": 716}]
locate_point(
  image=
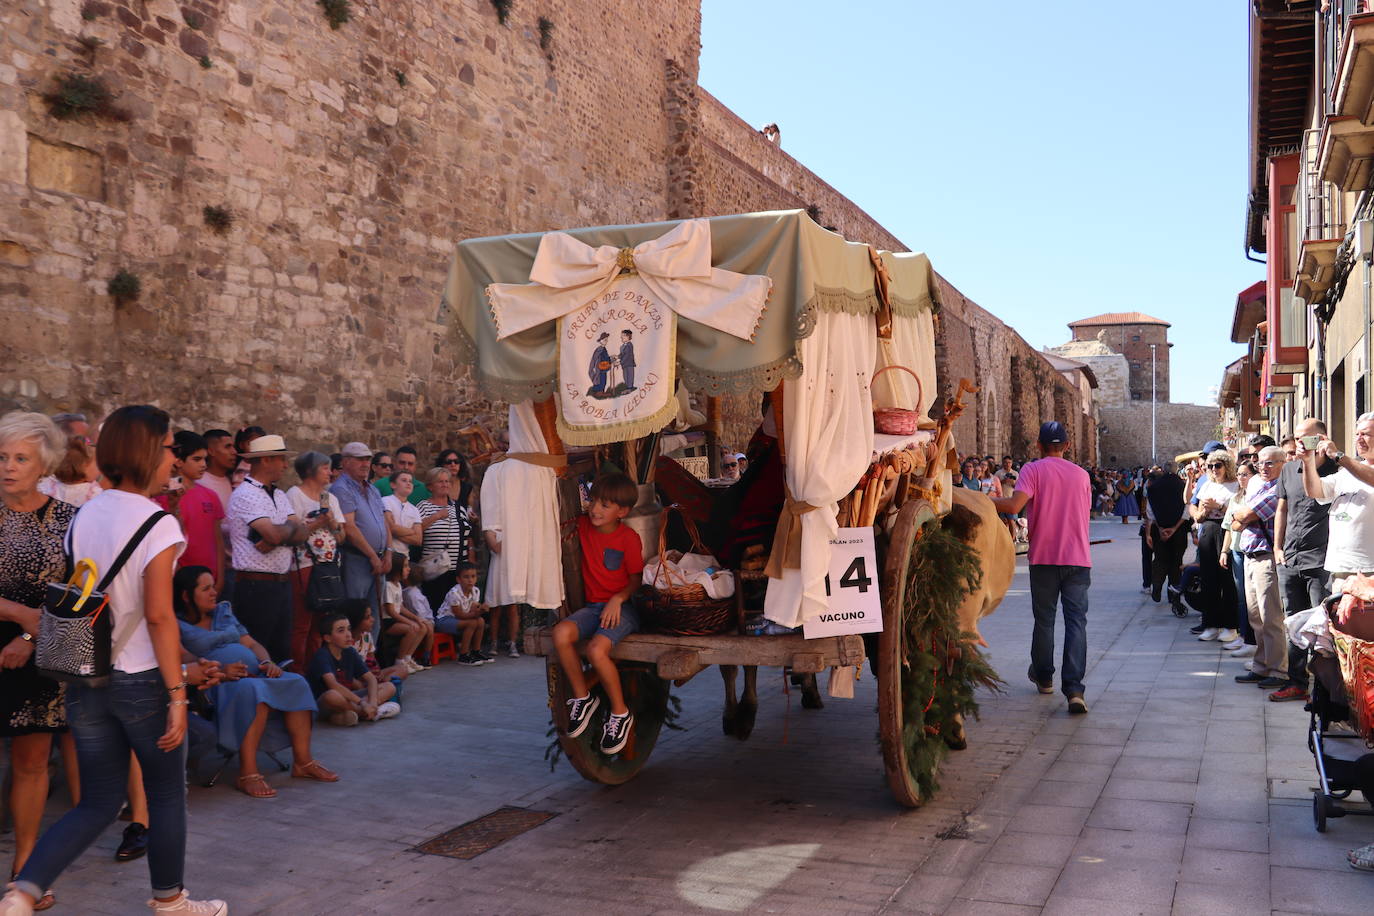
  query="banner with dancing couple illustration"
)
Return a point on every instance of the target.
[{"x": 617, "y": 357}]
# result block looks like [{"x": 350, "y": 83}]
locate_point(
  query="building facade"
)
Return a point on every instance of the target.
[
  {"x": 1143, "y": 340},
  {"x": 1309, "y": 215}
]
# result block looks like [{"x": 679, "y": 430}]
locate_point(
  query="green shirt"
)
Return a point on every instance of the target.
[{"x": 383, "y": 485}]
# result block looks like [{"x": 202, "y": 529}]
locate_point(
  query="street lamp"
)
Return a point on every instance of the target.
[{"x": 1154, "y": 405}]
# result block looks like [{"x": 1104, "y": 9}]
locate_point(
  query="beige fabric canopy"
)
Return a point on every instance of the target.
[{"x": 813, "y": 271}]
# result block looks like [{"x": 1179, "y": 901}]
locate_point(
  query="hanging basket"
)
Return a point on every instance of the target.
[
  {"x": 680, "y": 608},
  {"x": 898, "y": 421}
]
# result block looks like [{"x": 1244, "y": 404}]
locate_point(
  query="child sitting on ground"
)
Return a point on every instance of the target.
[
  {"x": 397, "y": 620},
  {"x": 360, "y": 622},
  {"x": 612, "y": 567},
  {"x": 344, "y": 689},
  {"x": 460, "y": 616}
]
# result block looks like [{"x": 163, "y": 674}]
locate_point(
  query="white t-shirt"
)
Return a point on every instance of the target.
[
  {"x": 391, "y": 597},
  {"x": 460, "y": 598},
  {"x": 1221, "y": 492},
  {"x": 99, "y": 532},
  {"x": 321, "y": 542},
  {"x": 405, "y": 515},
  {"x": 1350, "y": 544}
]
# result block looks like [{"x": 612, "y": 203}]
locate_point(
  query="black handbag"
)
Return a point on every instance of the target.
[
  {"x": 325, "y": 590},
  {"x": 76, "y": 643}
]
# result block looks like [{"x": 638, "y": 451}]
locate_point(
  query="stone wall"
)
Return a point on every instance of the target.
[
  {"x": 1179, "y": 428},
  {"x": 316, "y": 312},
  {"x": 1020, "y": 389}
]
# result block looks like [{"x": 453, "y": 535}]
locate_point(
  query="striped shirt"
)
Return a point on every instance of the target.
[{"x": 450, "y": 536}]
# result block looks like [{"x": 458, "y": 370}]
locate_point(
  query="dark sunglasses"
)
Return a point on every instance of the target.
[
  {"x": 385, "y": 466},
  {"x": 1216, "y": 464},
  {"x": 452, "y": 461},
  {"x": 732, "y": 464}
]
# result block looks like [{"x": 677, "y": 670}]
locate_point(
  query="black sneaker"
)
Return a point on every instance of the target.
[
  {"x": 134, "y": 845},
  {"x": 470, "y": 659},
  {"x": 1272, "y": 683},
  {"x": 616, "y": 733},
  {"x": 580, "y": 714},
  {"x": 1042, "y": 686},
  {"x": 1197, "y": 629},
  {"x": 1249, "y": 677}
]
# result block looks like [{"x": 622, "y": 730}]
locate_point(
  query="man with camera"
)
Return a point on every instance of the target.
[{"x": 1300, "y": 527}]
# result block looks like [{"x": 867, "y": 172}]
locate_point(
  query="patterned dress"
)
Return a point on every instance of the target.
[{"x": 31, "y": 556}]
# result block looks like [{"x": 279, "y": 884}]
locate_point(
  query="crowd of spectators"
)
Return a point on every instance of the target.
[{"x": 250, "y": 606}]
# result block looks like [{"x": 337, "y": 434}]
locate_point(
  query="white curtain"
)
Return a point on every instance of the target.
[
  {"x": 913, "y": 346},
  {"x": 520, "y": 505},
  {"x": 828, "y": 434}
]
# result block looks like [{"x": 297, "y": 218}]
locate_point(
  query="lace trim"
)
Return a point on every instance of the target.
[
  {"x": 839, "y": 299},
  {"x": 910, "y": 308},
  {"x": 755, "y": 380}
]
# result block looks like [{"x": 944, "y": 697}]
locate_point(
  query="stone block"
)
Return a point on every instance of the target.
[
  {"x": 14, "y": 148},
  {"x": 66, "y": 168}
]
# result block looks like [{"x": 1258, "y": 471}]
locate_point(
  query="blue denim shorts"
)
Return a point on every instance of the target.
[{"x": 588, "y": 621}]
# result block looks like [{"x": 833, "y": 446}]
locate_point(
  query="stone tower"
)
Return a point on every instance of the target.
[{"x": 1131, "y": 334}]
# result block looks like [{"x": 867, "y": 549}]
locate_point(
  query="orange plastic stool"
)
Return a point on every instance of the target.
[{"x": 444, "y": 647}]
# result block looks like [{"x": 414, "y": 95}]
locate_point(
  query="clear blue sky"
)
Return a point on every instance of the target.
[{"x": 1055, "y": 160}]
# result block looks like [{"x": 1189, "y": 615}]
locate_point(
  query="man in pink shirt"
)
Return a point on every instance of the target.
[{"x": 1058, "y": 497}]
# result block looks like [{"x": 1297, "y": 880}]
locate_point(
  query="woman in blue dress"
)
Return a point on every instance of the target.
[
  {"x": 253, "y": 684},
  {"x": 1126, "y": 503}
]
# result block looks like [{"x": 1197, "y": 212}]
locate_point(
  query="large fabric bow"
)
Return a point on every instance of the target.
[{"x": 676, "y": 267}]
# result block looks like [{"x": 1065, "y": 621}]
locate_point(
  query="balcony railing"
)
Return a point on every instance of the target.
[{"x": 1320, "y": 204}]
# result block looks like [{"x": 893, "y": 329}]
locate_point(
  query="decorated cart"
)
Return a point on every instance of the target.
[{"x": 836, "y": 537}]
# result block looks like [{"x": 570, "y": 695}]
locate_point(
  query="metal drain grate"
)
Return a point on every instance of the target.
[{"x": 487, "y": 832}]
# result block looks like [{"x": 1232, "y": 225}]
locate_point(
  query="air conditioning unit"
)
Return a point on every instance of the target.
[{"x": 1364, "y": 239}]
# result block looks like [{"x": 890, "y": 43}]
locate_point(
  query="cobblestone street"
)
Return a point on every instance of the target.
[{"x": 1181, "y": 792}]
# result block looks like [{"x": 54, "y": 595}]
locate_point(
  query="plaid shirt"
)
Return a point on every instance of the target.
[{"x": 1258, "y": 537}]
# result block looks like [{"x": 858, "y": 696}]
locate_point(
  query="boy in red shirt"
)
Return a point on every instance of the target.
[{"x": 612, "y": 563}]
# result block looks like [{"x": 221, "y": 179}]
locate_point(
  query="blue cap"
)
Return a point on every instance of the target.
[
  {"x": 1212, "y": 446},
  {"x": 1053, "y": 433}
]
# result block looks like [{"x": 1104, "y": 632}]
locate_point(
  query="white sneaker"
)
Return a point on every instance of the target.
[
  {"x": 1208, "y": 634},
  {"x": 388, "y": 710},
  {"x": 1244, "y": 652},
  {"x": 1233, "y": 644},
  {"x": 1249, "y": 666},
  {"x": 183, "y": 904},
  {"x": 1228, "y": 635},
  {"x": 513, "y": 652}
]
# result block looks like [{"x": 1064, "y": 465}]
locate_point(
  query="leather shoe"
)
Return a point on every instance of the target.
[
  {"x": 1272, "y": 683},
  {"x": 134, "y": 845},
  {"x": 1249, "y": 677}
]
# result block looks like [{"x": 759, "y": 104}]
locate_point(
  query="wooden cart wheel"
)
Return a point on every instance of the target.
[
  {"x": 895, "y": 561},
  {"x": 647, "y": 696}
]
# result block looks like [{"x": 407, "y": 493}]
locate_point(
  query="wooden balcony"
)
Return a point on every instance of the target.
[
  {"x": 1354, "y": 89},
  {"x": 1347, "y": 152},
  {"x": 1316, "y": 268}
]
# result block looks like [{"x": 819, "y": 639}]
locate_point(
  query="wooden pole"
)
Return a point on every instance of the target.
[
  {"x": 713, "y": 434},
  {"x": 544, "y": 412},
  {"x": 775, "y": 400}
]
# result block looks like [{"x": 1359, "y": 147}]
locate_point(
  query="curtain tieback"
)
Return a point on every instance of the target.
[{"x": 787, "y": 539}]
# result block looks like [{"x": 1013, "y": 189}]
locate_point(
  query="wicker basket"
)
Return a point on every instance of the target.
[
  {"x": 898, "y": 421},
  {"x": 681, "y": 608}
]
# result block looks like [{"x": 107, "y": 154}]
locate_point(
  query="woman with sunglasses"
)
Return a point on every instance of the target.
[
  {"x": 1218, "y": 588},
  {"x": 453, "y": 461}
]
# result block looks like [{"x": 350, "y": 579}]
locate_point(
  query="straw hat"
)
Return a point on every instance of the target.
[{"x": 265, "y": 447}]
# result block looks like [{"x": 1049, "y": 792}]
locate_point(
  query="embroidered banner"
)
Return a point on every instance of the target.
[{"x": 617, "y": 356}]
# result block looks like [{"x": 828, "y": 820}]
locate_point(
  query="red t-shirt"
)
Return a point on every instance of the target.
[
  {"x": 200, "y": 516},
  {"x": 608, "y": 560}
]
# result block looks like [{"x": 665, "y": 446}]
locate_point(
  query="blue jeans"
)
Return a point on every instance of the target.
[
  {"x": 1049, "y": 586},
  {"x": 588, "y": 621},
  {"x": 1242, "y": 612},
  {"x": 107, "y": 723},
  {"x": 360, "y": 583}
]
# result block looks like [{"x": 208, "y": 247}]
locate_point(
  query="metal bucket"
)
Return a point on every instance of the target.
[{"x": 645, "y": 519}]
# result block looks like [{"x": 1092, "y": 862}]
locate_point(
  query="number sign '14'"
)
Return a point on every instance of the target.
[{"x": 851, "y": 588}]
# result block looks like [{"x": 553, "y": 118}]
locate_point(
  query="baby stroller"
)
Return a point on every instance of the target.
[{"x": 1344, "y": 762}]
